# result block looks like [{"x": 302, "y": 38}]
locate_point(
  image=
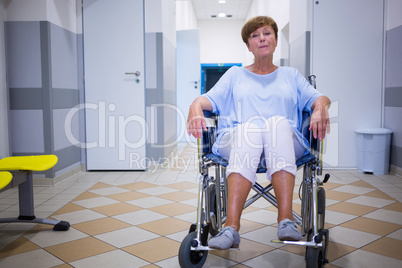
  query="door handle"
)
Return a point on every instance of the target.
[{"x": 137, "y": 73}]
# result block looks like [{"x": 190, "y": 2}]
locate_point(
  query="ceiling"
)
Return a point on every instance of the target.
[{"x": 237, "y": 9}]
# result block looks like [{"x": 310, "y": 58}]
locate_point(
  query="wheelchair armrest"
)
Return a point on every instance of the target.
[
  {"x": 208, "y": 137},
  {"x": 209, "y": 114}
]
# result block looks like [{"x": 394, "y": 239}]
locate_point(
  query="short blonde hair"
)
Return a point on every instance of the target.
[{"x": 255, "y": 23}]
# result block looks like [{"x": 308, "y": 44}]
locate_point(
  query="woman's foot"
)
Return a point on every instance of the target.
[
  {"x": 287, "y": 231},
  {"x": 227, "y": 238}
]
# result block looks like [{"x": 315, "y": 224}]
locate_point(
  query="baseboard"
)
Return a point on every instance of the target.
[
  {"x": 38, "y": 181},
  {"x": 395, "y": 170}
]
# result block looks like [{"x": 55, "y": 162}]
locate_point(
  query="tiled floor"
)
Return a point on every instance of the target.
[{"x": 137, "y": 219}]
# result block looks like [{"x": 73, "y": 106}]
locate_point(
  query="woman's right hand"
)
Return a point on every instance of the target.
[{"x": 196, "y": 119}]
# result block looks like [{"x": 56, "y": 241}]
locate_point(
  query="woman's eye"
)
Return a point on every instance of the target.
[
  {"x": 254, "y": 35},
  {"x": 267, "y": 33}
]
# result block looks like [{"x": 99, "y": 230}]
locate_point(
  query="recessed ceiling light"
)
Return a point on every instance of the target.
[
  {"x": 222, "y": 1},
  {"x": 221, "y": 15}
]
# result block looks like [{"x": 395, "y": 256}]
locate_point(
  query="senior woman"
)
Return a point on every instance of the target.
[{"x": 260, "y": 108}]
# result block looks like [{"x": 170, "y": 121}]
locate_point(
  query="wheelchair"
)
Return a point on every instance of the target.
[{"x": 212, "y": 199}]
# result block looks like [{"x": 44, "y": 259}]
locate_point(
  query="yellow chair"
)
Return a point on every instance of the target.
[
  {"x": 28, "y": 164},
  {"x": 5, "y": 178}
]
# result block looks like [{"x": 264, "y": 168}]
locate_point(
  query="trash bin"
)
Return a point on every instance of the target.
[{"x": 373, "y": 150}]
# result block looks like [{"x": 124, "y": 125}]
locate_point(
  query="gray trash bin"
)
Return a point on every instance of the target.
[{"x": 373, "y": 150}]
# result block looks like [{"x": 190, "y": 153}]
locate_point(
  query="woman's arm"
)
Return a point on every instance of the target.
[
  {"x": 195, "y": 119},
  {"x": 320, "y": 117}
]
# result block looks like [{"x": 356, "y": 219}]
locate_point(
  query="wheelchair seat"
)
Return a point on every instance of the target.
[{"x": 209, "y": 137}]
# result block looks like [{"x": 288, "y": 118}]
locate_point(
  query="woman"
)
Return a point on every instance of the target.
[{"x": 260, "y": 108}]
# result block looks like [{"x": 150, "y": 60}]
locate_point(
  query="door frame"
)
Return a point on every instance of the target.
[{"x": 209, "y": 66}]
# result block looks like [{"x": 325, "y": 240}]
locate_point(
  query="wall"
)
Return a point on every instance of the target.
[
  {"x": 279, "y": 11},
  {"x": 185, "y": 16},
  {"x": 393, "y": 81},
  {"x": 220, "y": 41},
  {"x": 43, "y": 80},
  {"x": 300, "y": 36},
  {"x": 4, "y": 147},
  {"x": 160, "y": 64}
]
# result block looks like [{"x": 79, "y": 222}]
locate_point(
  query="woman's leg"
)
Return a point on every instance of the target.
[
  {"x": 283, "y": 183},
  {"x": 242, "y": 148},
  {"x": 238, "y": 189}
]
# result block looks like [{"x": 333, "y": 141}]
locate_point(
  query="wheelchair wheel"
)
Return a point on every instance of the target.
[
  {"x": 213, "y": 228},
  {"x": 191, "y": 258},
  {"x": 313, "y": 257},
  {"x": 316, "y": 257},
  {"x": 321, "y": 207}
]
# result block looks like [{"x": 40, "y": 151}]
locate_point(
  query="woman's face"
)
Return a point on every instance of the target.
[{"x": 262, "y": 42}]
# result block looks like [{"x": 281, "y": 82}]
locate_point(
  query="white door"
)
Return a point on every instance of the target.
[
  {"x": 114, "y": 84},
  {"x": 347, "y": 59},
  {"x": 188, "y": 77}
]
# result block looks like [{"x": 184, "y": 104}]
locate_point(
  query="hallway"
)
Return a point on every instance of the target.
[{"x": 138, "y": 219}]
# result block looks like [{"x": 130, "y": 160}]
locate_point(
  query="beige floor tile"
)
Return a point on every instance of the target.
[
  {"x": 299, "y": 250},
  {"x": 379, "y": 194},
  {"x": 137, "y": 186},
  {"x": 100, "y": 226},
  {"x": 86, "y": 195},
  {"x": 336, "y": 250},
  {"x": 40, "y": 228},
  {"x": 173, "y": 209},
  {"x": 372, "y": 226},
  {"x": 128, "y": 196},
  {"x": 350, "y": 208},
  {"x": 330, "y": 265},
  {"x": 248, "y": 250},
  {"x": 251, "y": 209},
  {"x": 79, "y": 249},
  {"x": 362, "y": 184},
  {"x": 70, "y": 207},
  {"x": 21, "y": 245},
  {"x": 339, "y": 196},
  {"x": 248, "y": 226},
  {"x": 100, "y": 185},
  {"x": 331, "y": 185},
  {"x": 150, "y": 266},
  {"x": 165, "y": 226},
  {"x": 178, "y": 196},
  {"x": 240, "y": 266},
  {"x": 35, "y": 258},
  {"x": 116, "y": 209},
  {"x": 63, "y": 266},
  {"x": 386, "y": 246},
  {"x": 154, "y": 250},
  {"x": 182, "y": 185},
  {"x": 395, "y": 207}
]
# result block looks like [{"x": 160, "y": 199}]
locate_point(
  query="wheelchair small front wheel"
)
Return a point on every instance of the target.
[
  {"x": 191, "y": 258},
  {"x": 313, "y": 257},
  {"x": 316, "y": 257}
]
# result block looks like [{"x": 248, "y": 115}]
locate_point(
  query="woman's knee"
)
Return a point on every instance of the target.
[{"x": 248, "y": 135}]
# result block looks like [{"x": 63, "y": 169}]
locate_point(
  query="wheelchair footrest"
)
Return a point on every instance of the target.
[
  {"x": 199, "y": 248},
  {"x": 299, "y": 243}
]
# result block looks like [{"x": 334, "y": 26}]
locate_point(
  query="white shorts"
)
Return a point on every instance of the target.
[{"x": 246, "y": 145}]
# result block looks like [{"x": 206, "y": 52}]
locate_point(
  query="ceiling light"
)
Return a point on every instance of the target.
[
  {"x": 221, "y": 15},
  {"x": 222, "y": 1}
]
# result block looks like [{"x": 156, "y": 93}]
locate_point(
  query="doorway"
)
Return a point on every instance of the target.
[{"x": 212, "y": 72}]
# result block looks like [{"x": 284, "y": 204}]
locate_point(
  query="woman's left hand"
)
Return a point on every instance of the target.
[{"x": 320, "y": 118}]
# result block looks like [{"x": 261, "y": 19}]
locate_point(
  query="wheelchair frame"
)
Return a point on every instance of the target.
[{"x": 212, "y": 200}]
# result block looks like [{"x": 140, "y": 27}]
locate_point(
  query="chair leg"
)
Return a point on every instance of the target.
[
  {"x": 26, "y": 204},
  {"x": 26, "y": 199}
]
